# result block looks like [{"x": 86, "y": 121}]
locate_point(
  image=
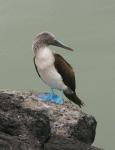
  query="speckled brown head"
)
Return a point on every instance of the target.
[{"x": 45, "y": 39}]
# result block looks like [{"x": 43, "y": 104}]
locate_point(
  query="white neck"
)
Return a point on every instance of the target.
[
  {"x": 44, "y": 57},
  {"x": 44, "y": 52}
]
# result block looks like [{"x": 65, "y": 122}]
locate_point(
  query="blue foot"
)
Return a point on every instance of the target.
[
  {"x": 51, "y": 98},
  {"x": 56, "y": 99}
]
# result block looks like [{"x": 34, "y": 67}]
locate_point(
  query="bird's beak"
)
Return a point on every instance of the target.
[{"x": 59, "y": 44}]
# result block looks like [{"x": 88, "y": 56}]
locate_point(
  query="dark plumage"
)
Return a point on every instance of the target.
[{"x": 68, "y": 76}]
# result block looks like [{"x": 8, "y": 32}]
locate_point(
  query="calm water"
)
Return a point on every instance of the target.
[{"x": 86, "y": 26}]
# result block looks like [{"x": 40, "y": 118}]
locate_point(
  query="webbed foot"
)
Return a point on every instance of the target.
[{"x": 51, "y": 97}]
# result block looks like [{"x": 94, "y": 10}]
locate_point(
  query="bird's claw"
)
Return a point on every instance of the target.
[{"x": 50, "y": 97}]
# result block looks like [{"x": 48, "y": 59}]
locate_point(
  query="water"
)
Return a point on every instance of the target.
[{"x": 88, "y": 27}]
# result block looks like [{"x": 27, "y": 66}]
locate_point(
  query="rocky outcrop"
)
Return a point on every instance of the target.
[{"x": 27, "y": 123}]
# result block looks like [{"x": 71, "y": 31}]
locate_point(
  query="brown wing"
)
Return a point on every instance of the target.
[
  {"x": 66, "y": 71},
  {"x": 36, "y": 66}
]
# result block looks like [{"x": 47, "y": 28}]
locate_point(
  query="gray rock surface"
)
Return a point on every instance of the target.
[
  {"x": 27, "y": 123},
  {"x": 64, "y": 143}
]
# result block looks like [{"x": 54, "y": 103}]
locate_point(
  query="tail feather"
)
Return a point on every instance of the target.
[{"x": 73, "y": 97}]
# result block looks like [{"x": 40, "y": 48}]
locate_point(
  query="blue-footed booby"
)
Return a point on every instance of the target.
[{"x": 53, "y": 69}]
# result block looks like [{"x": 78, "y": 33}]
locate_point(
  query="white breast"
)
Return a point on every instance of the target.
[{"x": 45, "y": 64}]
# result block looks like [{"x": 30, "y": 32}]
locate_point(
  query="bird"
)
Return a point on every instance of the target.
[{"x": 52, "y": 68}]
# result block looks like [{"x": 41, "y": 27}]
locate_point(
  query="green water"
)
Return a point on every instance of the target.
[{"x": 88, "y": 27}]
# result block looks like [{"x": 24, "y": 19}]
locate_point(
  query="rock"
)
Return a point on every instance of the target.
[
  {"x": 27, "y": 123},
  {"x": 64, "y": 143}
]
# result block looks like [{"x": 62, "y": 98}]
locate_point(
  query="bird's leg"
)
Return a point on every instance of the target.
[
  {"x": 61, "y": 94},
  {"x": 52, "y": 97},
  {"x": 58, "y": 99},
  {"x": 51, "y": 94},
  {"x": 47, "y": 96},
  {"x": 52, "y": 91}
]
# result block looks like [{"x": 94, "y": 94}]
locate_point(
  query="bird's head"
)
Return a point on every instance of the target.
[{"x": 45, "y": 39}]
